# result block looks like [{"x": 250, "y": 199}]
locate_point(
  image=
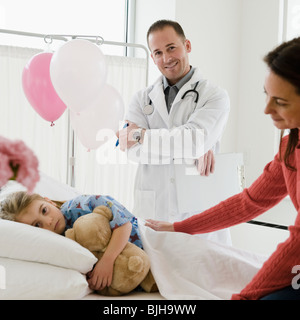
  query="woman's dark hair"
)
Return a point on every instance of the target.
[{"x": 284, "y": 61}]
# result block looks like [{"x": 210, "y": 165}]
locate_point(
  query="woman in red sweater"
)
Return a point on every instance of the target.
[{"x": 281, "y": 177}]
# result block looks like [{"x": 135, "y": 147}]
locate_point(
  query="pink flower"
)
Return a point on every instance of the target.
[{"x": 16, "y": 156}]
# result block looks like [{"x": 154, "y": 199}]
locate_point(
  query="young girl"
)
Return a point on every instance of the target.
[
  {"x": 280, "y": 178},
  {"x": 57, "y": 216}
]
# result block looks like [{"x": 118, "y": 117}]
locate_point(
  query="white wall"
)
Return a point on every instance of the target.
[
  {"x": 213, "y": 27},
  {"x": 69, "y": 17},
  {"x": 147, "y": 12},
  {"x": 229, "y": 39},
  {"x": 260, "y": 33}
]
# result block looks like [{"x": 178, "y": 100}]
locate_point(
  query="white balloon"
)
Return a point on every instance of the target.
[
  {"x": 105, "y": 114},
  {"x": 78, "y": 73}
]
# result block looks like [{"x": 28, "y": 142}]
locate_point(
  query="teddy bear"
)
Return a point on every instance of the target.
[{"x": 131, "y": 267}]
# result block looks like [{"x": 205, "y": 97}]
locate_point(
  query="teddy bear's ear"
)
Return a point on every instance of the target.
[
  {"x": 70, "y": 234},
  {"x": 104, "y": 211}
]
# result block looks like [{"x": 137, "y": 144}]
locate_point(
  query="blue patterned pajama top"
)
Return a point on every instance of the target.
[{"x": 84, "y": 204}]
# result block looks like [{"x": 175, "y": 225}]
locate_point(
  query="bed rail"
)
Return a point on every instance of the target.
[{"x": 270, "y": 225}]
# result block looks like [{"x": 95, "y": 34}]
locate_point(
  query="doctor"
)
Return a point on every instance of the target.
[{"x": 176, "y": 121}]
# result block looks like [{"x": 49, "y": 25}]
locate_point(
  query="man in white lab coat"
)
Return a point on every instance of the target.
[{"x": 177, "y": 120}]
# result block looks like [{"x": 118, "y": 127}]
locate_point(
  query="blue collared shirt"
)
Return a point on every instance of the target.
[{"x": 171, "y": 91}]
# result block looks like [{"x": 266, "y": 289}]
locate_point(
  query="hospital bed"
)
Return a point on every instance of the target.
[{"x": 38, "y": 264}]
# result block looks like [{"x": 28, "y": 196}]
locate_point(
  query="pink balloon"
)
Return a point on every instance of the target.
[{"x": 38, "y": 87}]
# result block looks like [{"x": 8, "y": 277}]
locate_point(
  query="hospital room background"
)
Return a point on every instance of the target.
[{"x": 229, "y": 39}]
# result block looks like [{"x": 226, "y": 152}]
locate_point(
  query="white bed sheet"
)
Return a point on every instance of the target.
[
  {"x": 130, "y": 296},
  {"x": 189, "y": 267}
]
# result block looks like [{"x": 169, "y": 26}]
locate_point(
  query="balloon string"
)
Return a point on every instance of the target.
[{"x": 52, "y": 124}]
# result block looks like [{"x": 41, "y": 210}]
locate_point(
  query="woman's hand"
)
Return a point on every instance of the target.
[{"x": 159, "y": 225}]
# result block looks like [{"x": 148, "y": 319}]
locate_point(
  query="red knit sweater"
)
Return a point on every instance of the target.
[{"x": 272, "y": 186}]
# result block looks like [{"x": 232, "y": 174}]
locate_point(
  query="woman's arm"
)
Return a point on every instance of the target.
[{"x": 101, "y": 276}]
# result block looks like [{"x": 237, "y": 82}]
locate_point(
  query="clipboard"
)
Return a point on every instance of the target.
[{"x": 196, "y": 193}]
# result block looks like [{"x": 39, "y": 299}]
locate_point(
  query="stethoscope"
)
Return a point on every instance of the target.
[{"x": 148, "y": 109}]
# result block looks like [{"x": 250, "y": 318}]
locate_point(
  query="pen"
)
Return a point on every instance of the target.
[{"x": 125, "y": 125}]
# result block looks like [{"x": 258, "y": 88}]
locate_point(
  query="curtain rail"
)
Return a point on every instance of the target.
[{"x": 63, "y": 37}]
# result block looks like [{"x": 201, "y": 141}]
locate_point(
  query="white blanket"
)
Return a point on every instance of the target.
[{"x": 189, "y": 267}]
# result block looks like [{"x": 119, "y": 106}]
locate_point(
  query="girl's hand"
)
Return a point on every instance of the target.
[
  {"x": 159, "y": 225},
  {"x": 101, "y": 276}
]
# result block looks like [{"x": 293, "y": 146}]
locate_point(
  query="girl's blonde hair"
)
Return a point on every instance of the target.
[{"x": 17, "y": 202}]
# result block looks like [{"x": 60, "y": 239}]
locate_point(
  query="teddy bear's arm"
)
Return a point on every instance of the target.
[{"x": 105, "y": 211}]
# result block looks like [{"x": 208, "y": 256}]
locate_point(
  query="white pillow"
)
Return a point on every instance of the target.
[
  {"x": 46, "y": 187},
  {"x": 24, "y": 242},
  {"x": 30, "y": 280},
  {"x": 10, "y": 187},
  {"x": 53, "y": 189}
]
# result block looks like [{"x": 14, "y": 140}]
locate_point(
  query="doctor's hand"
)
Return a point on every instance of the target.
[
  {"x": 159, "y": 225},
  {"x": 125, "y": 136},
  {"x": 206, "y": 164}
]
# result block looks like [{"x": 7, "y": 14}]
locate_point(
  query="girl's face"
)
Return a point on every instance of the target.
[
  {"x": 283, "y": 102},
  {"x": 43, "y": 214}
]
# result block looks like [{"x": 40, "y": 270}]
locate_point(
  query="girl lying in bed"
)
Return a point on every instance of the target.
[{"x": 56, "y": 216}]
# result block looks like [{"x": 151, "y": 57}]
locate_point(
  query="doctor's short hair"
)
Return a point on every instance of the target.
[{"x": 161, "y": 24}]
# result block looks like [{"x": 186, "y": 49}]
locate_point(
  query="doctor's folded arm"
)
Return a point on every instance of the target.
[{"x": 177, "y": 121}]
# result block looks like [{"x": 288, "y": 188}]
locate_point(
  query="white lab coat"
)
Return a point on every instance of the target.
[{"x": 155, "y": 185}]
